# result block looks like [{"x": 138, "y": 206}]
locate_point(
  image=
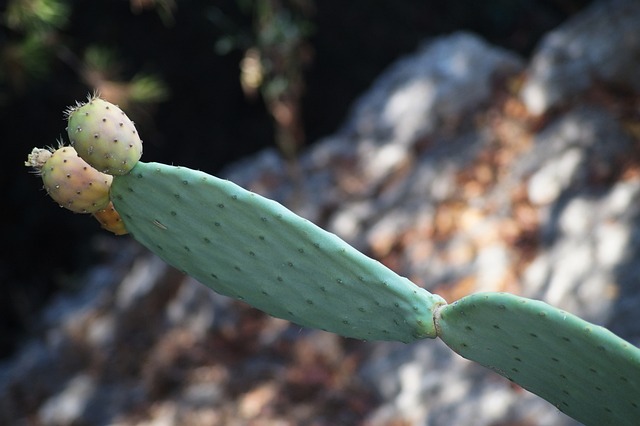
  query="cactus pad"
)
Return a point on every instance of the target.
[
  {"x": 251, "y": 248},
  {"x": 585, "y": 370},
  {"x": 70, "y": 181},
  {"x": 104, "y": 136}
]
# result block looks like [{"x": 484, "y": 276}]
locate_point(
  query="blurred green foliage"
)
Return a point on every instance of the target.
[
  {"x": 276, "y": 51},
  {"x": 37, "y": 15},
  {"x": 33, "y": 26},
  {"x": 35, "y": 36}
]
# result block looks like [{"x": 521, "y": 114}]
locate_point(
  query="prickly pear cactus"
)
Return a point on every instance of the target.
[
  {"x": 110, "y": 220},
  {"x": 104, "y": 136},
  {"x": 70, "y": 181},
  {"x": 585, "y": 370},
  {"x": 253, "y": 249}
]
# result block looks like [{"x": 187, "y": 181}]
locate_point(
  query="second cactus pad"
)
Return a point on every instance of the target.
[
  {"x": 251, "y": 248},
  {"x": 585, "y": 370}
]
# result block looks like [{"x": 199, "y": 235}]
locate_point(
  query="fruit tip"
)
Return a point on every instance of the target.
[{"x": 37, "y": 158}]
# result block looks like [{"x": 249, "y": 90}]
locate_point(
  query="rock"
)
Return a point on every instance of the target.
[
  {"x": 443, "y": 80},
  {"x": 583, "y": 51},
  {"x": 570, "y": 153}
]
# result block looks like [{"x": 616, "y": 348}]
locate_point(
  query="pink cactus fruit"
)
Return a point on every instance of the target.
[
  {"x": 104, "y": 136},
  {"x": 70, "y": 181}
]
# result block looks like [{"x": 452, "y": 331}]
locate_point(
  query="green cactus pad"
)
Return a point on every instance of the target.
[
  {"x": 585, "y": 370},
  {"x": 251, "y": 248}
]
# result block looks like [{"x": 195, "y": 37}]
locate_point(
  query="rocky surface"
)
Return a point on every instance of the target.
[
  {"x": 447, "y": 172},
  {"x": 583, "y": 52}
]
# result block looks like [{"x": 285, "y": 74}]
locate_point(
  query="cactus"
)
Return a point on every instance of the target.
[
  {"x": 104, "y": 136},
  {"x": 253, "y": 249},
  {"x": 70, "y": 181},
  {"x": 585, "y": 370},
  {"x": 110, "y": 220}
]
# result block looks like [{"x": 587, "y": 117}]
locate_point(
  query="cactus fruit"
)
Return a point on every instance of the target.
[
  {"x": 585, "y": 370},
  {"x": 104, "y": 136},
  {"x": 253, "y": 249},
  {"x": 110, "y": 220},
  {"x": 70, "y": 181}
]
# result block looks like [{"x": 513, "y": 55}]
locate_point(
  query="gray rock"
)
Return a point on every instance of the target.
[
  {"x": 445, "y": 79},
  {"x": 585, "y": 144},
  {"x": 600, "y": 44}
]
